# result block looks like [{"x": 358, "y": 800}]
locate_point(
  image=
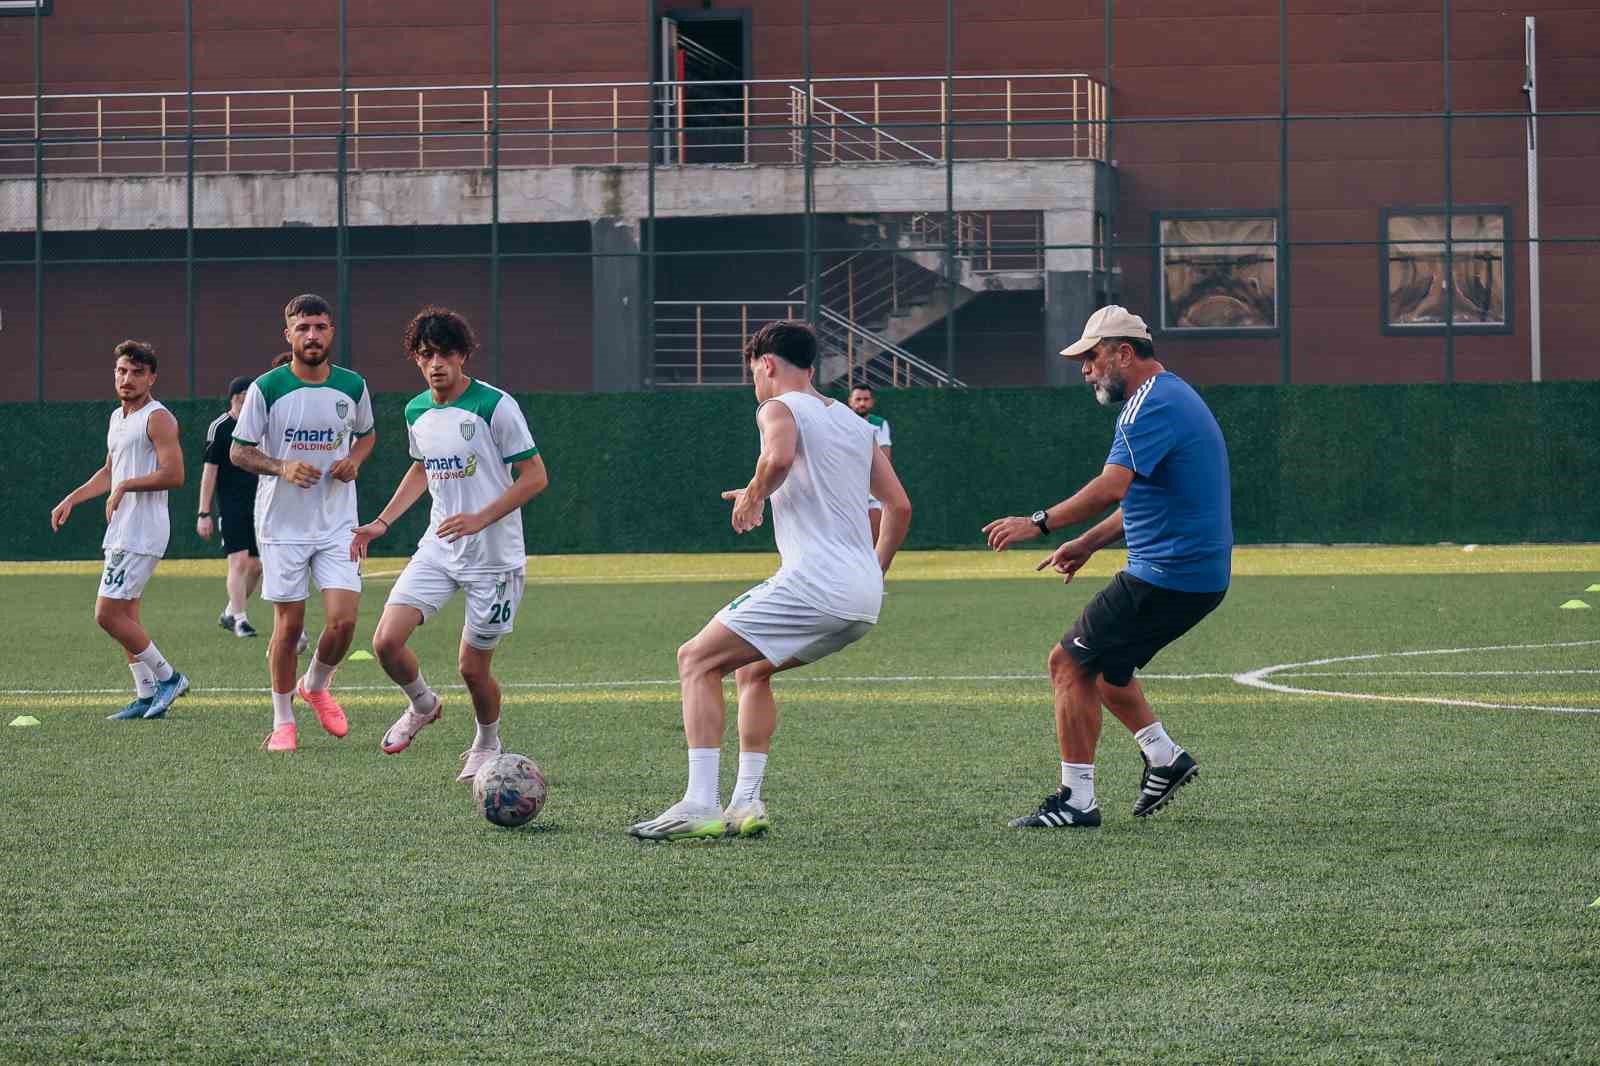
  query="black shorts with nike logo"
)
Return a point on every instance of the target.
[{"x": 1130, "y": 620}]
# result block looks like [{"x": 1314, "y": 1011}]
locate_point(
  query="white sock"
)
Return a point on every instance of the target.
[
  {"x": 704, "y": 766},
  {"x": 488, "y": 737},
  {"x": 157, "y": 662},
  {"x": 1157, "y": 746},
  {"x": 423, "y": 699},
  {"x": 144, "y": 680},
  {"x": 282, "y": 708},
  {"x": 237, "y": 612},
  {"x": 752, "y": 767},
  {"x": 319, "y": 675},
  {"x": 1079, "y": 777}
]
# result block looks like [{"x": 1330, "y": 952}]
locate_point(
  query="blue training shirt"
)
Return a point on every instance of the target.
[{"x": 1177, "y": 516}]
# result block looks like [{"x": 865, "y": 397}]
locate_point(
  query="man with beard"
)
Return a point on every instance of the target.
[
  {"x": 306, "y": 428},
  {"x": 1167, "y": 478}
]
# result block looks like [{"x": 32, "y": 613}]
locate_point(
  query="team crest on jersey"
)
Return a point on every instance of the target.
[
  {"x": 468, "y": 428},
  {"x": 342, "y": 408}
]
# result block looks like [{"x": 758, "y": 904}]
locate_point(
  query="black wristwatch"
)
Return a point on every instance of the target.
[{"x": 1039, "y": 520}]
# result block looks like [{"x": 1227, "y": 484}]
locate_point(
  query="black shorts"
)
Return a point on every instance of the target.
[
  {"x": 1130, "y": 620},
  {"x": 236, "y": 520}
]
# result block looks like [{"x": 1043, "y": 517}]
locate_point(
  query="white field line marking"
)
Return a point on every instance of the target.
[
  {"x": 642, "y": 683},
  {"x": 1258, "y": 678},
  {"x": 1436, "y": 673}
]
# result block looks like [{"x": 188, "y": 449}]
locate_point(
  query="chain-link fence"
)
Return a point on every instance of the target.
[{"x": 615, "y": 200}]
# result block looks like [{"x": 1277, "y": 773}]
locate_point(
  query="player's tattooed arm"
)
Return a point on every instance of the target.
[{"x": 250, "y": 457}]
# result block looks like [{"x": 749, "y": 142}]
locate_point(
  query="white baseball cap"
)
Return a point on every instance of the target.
[{"x": 1112, "y": 320}]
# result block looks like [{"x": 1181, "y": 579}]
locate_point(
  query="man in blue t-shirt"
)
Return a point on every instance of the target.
[{"x": 1167, "y": 478}]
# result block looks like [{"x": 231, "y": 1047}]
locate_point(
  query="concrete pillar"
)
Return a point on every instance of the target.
[
  {"x": 1069, "y": 296},
  {"x": 618, "y": 325}
]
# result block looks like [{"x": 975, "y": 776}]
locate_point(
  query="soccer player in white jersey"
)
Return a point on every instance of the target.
[
  {"x": 863, "y": 401},
  {"x": 143, "y": 461},
  {"x": 818, "y": 462},
  {"x": 306, "y": 428},
  {"x": 473, "y": 452}
]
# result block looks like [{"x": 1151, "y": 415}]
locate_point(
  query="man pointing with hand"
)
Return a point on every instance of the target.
[{"x": 1166, "y": 485}]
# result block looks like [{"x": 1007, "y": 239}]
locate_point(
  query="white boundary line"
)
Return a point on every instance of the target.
[
  {"x": 642, "y": 683},
  {"x": 1258, "y": 678}
]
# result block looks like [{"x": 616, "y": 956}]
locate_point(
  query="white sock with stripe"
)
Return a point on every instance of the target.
[
  {"x": 704, "y": 766},
  {"x": 157, "y": 662},
  {"x": 752, "y": 768},
  {"x": 144, "y": 680},
  {"x": 1157, "y": 746},
  {"x": 423, "y": 699},
  {"x": 1079, "y": 777}
]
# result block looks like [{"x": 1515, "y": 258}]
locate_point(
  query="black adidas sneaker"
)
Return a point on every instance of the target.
[
  {"x": 1056, "y": 813},
  {"x": 1158, "y": 783}
]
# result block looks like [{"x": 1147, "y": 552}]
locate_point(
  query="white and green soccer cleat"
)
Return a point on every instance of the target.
[
  {"x": 746, "y": 820},
  {"x": 681, "y": 821}
]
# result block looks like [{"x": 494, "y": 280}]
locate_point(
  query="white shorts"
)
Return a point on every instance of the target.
[
  {"x": 781, "y": 626},
  {"x": 286, "y": 567},
  {"x": 492, "y": 599},
  {"x": 126, "y": 574}
]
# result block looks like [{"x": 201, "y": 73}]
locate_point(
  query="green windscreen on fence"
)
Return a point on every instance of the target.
[{"x": 641, "y": 472}]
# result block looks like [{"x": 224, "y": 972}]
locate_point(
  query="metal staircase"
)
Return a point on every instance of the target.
[{"x": 870, "y": 303}]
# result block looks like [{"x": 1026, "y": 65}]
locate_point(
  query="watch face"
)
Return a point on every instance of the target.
[{"x": 1038, "y": 516}]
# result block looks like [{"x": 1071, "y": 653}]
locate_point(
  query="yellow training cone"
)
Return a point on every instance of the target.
[{"x": 1574, "y": 605}]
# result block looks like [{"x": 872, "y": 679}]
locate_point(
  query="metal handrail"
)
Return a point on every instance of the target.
[
  {"x": 886, "y": 345},
  {"x": 857, "y": 118}
]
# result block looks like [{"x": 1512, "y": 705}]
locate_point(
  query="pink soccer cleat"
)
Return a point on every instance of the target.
[
  {"x": 282, "y": 738},
  {"x": 473, "y": 760},
  {"x": 329, "y": 713},
  {"x": 407, "y": 726}
]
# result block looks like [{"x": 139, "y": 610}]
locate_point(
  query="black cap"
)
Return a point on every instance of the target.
[{"x": 238, "y": 385}]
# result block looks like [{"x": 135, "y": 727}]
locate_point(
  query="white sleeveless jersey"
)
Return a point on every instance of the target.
[
  {"x": 819, "y": 515},
  {"x": 140, "y": 523}
]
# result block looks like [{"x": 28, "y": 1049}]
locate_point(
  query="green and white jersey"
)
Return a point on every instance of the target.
[
  {"x": 309, "y": 423},
  {"x": 880, "y": 428},
  {"x": 466, "y": 447}
]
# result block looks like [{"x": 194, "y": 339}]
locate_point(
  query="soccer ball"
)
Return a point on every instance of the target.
[{"x": 509, "y": 789}]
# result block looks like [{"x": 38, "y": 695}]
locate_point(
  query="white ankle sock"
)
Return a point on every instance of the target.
[
  {"x": 488, "y": 737},
  {"x": 423, "y": 699},
  {"x": 319, "y": 675},
  {"x": 704, "y": 766},
  {"x": 1157, "y": 746},
  {"x": 747, "y": 790},
  {"x": 1079, "y": 777},
  {"x": 282, "y": 708},
  {"x": 144, "y": 680},
  {"x": 236, "y": 612},
  {"x": 157, "y": 663}
]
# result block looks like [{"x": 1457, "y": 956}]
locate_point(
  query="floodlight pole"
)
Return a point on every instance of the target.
[{"x": 1530, "y": 85}]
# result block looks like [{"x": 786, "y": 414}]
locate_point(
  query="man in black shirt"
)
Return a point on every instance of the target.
[{"x": 234, "y": 492}]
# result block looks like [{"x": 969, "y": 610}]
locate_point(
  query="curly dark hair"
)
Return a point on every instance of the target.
[
  {"x": 140, "y": 353},
  {"x": 440, "y": 329}
]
